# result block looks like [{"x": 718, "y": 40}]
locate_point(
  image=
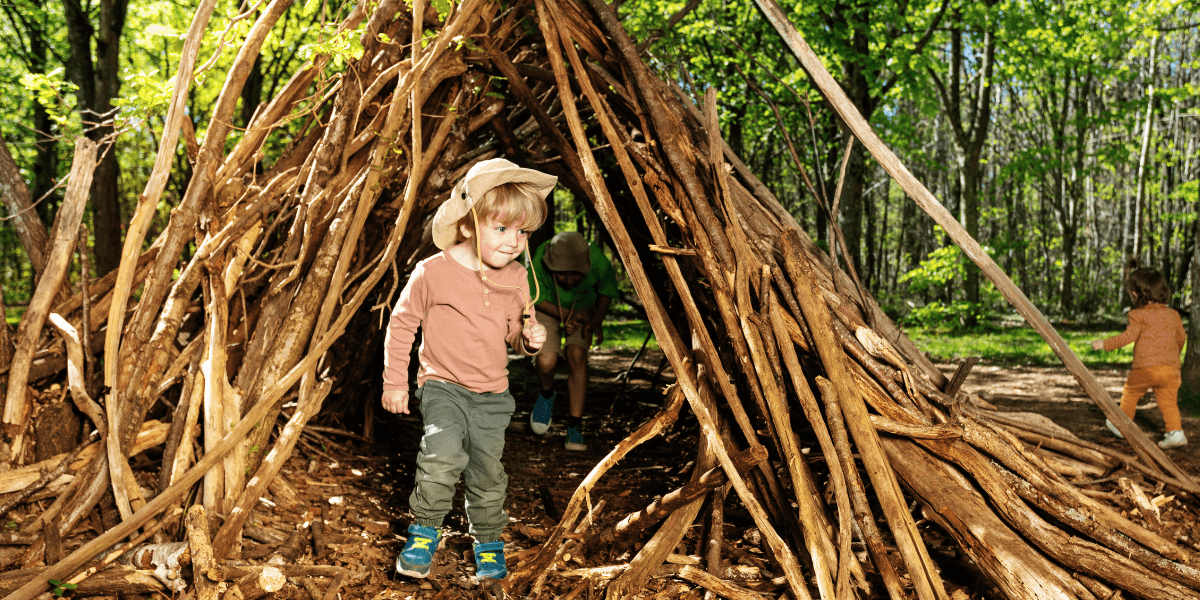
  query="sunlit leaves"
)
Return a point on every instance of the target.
[{"x": 55, "y": 94}]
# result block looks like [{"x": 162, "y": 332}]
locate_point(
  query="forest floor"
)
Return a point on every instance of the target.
[{"x": 363, "y": 490}]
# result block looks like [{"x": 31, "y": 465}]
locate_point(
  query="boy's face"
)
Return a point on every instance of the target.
[
  {"x": 567, "y": 279},
  {"x": 499, "y": 243}
]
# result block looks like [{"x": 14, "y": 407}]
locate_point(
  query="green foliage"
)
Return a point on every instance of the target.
[
  {"x": 59, "y": 587},
  {"x": 951, "y": 314},
  {"x": 627, "y": 334},
  {"x": 1014, "y": 345},
  {"x": 943, "y": 268},
  {"x": 343, "y": 46},
  {"x": 55, "y": 94}
]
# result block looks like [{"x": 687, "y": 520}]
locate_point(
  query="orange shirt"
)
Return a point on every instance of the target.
[
  {"x": 466, "y": 325},
  {"x": 1157, "y": 334}
]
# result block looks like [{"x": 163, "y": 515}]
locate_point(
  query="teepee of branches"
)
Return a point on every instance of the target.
[{"x": 272, "y": 273}]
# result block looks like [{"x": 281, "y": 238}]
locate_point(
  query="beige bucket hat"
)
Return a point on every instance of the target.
[
  {"x": 568, "y": 251},
  {"x": 482, "y": 177}
]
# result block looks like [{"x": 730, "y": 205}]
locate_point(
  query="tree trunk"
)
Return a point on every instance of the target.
[
  {"x": 1189, "y": 390},
  {"x": 30, "y": 228},
  {"x": 99, "y": 82},
  {"x": 1135, "y": 224}
]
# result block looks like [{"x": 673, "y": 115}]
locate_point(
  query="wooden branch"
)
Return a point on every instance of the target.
[
  {"x": 664, "y": 541},
  {"x": 258, "y": 584},
  {"x": 928, "y": 432},
  {"x": 717, "y": 585},
  {"x": 115, "y": 580},
  {"x": 672, "y": 251},
  {"x": 308, "y": 406},
  {"x": 648, "y": 430},
  {"x": 960, "y": 375},
  {"x": 1009, "y": 453},
  {"x": 857, "y": 492},
  {"x": 670, "y": 502},
  {"x": 42, "y": 481},
  {"x": 66, "y": 228},
  {"x": 812, "y": 412},
  {"x": 1071, "y": 551},
  {"x": 816, "y": 538},
  {"x": 135, "y": 233},
  {"x": 202, "y": 555},
  {"x": 1007, "y": 559},
  {"x": 654, "y": 308}
]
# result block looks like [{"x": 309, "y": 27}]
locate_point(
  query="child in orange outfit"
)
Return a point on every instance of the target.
[{"x": 1157, "y": 334}]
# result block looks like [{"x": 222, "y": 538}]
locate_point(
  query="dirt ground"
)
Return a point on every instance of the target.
[
  {"x": 1054, "y": 392},
  {"x": 361, "y": 491}
]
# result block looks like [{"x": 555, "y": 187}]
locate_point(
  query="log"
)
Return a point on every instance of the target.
[
  {"x": 1011, "y": 564},
  {"x": 717, "y": 585},
  {"x": 66, "y": 226},
  {"x": 1072, "y": 552},
  {"x": 115, "y": 580},
  {"x": 201, "y": 551},
  {"x": 255, "y": 585}
]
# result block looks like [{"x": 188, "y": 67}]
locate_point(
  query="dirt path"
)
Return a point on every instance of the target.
[{"x": 1053, "y": 392}]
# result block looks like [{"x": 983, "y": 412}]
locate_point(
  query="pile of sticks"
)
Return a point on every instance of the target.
[{"x": 296, "y": 259}]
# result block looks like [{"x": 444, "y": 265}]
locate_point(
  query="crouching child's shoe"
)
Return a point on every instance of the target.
[
  {"x": 574, "y": 440},
  {"x": 417, "y": 557},
  {"x": 1114, "y": 430},
  {"x": 1173, "y": 439},
  {"x": 489, "y": 561},
  {"x": 542, "y": 414}
]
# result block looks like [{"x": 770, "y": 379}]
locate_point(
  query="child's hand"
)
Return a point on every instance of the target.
[
  {"x": 1097, "y": 344},
  {"x": 396, "y": 401},
  {"x": 595, "y": 327},
  {"x": 534, "y": 334},
  {"x": 575, "y": 321}
]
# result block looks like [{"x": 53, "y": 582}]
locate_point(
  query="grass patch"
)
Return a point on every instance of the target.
[
  {"x": 627, "y": 334},
  {"x": 1015, "y": 346}
]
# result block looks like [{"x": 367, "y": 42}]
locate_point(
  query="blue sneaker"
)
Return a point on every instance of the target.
[
  {"x": 543, "y": 411},
  {"x": 489, "y": 561},
  {"x": 417, "y": 556},
  {"x": 574, "y": 440}
]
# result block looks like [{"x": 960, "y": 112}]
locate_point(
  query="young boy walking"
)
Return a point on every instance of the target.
[{"x": 471, "y": 301}]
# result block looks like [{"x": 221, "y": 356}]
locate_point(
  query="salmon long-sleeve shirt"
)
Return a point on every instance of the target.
[
  {"x": 466, "y": 324},
  {"x": 1157, "y": 334}
]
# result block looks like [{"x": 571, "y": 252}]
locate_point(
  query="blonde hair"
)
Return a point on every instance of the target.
[{"x": 515, "y": 204}]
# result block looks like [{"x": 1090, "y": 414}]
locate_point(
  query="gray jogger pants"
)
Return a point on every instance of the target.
[{"x": 464, "y": 435}]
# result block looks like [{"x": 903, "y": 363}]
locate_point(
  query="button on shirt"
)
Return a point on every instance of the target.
[{"x": 467, "y": 325}]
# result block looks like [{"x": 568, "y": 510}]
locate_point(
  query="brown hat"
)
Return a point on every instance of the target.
[
  {"x": 481, "y": 178},
  {"x": 568, "y": 251}
]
